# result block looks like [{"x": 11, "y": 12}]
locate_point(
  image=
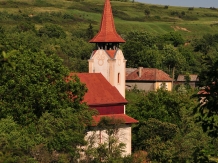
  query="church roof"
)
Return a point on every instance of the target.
[
  {"x": 148, "y": 74},
  {"x": 123, "y": 118},
  {"x": 100, "y": 91},
  {"x": 107, "y": 31}
]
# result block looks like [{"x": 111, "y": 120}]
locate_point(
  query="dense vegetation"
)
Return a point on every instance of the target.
[{"x": 42, "y": 40}]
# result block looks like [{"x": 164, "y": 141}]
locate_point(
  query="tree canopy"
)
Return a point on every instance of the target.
[{"x": 37, "y": 102}]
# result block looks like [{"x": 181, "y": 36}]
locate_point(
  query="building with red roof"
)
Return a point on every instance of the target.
[
  {"x": 109, "y": 103},
  {"x": 107, "y": 58},
  {"x": 106, "y": 81},
  {"x": 193, "y": 80},
  {"x": 148, "y": 79}
]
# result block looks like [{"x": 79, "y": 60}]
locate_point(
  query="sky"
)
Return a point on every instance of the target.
[{"x": 185, "y": 3}]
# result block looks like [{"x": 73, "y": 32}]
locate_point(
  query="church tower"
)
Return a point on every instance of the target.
[{"x": 107, "y": 58}]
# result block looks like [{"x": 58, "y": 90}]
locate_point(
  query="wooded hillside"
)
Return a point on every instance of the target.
[{"x": 41, "y": 41}]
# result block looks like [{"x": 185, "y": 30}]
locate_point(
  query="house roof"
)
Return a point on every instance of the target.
[
  {"x": 122, "y": 117},
  {"x": 148, "y": 74},
  {"x": 107, "y": 31},
  {"x": 193, "y": 77},
  {"x": 100, "y": 91},
  {"x": 130, "y": 70}
]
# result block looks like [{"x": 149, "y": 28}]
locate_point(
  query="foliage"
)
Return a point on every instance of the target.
[
  {"x": 167, "y": 130},
  {"x": 52, "y": 31},
  {"x": 109, "y": 150},
  {"x": 161, "y": 105},
  {"x": 147, "y": 12},
  {"x": 26, "y": 26},
  {"x": 175, "y": 38},
  {"x": 57, "y": 29},
  {"x": 207, "y": 109},
  {"x": 38, "y": 103},
  {"x": 90, "y": 32},
  {"x": 173, "y": 59}
]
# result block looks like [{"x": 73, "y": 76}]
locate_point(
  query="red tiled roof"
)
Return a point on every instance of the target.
[
  {"x": 100, "y": 91},
  {"x": 122, "y": 117},
  {"x": 149, "y": 74},
  {"x": 193, "y": 77},
  {"x": 107, "y": 31}
]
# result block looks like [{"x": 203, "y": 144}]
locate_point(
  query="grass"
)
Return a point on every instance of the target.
[{"x": 128, "y": 16}]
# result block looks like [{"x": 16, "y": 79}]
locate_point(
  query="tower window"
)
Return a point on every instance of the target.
[{"x": 118, "y": 78}]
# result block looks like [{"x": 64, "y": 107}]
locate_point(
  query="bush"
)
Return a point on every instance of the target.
[
  {"x": 213, "y": 8},
  {"x": 191, "y": 8},
  {"x": 52, "y": 30},
  {"x": 166, "y": 7}
]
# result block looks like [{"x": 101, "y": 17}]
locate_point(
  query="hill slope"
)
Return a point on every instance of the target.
[{"x": 76, "y": 15}]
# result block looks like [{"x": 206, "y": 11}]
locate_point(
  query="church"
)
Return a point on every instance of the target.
[{"x": 106, "y": 80}]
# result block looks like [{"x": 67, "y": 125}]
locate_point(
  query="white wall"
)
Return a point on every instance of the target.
[{"x": 124, "y": 135}]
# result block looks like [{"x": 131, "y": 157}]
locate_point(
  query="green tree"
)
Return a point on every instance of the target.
[
  {"x": 52, "y": 31},
  {"x": 136, "y": 47},
  {"x": 207, "y": 108},
  {"x": 150, "y": 57},
  {"x": 175, "y": 38},
  {"x": 192, "y": 59},
  {"x": 25, "y": 26},
  {"x": 167, "y": 128},
  {"x": 147, "y": 11},
  {"x": 90, "y": 32},
  {"x": 24, "y": 40},
  {"x": 161, "y": 104},
  {"x": 172, "y": 59},
  {"x": 156, "y": 137},
  {"x": 50, "y": 110}
]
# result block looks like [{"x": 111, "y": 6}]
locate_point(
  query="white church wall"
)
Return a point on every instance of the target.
[
  {"x": 101, "y": 136},
  {"x": 99, "y": 63},
  {"x": 119, "y": 72}
]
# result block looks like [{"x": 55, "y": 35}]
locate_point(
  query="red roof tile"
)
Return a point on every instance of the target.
[
  {"x": 123, "y": 117},
  {"x": 107, "y": 31},
  {"x": 149, "y": 74},
  {"x": 100, "y": 91}
]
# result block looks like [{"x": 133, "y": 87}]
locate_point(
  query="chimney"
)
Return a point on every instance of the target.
[{"x": 140, "y": 71}]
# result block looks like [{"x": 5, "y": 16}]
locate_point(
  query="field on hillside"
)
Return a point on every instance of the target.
[{"x": 76, "y": 15}]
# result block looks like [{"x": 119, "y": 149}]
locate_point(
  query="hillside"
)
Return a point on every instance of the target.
[{"x": 76, "y": 15}]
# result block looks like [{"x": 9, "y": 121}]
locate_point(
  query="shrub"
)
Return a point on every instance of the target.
[
  {"x": 52, "y": 30},
  {"x": 166, "y": 7},
  {"x": 191, "y": 8}
]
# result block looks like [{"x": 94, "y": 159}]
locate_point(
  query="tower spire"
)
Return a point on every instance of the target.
[{"x": 107, "y": 33}]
